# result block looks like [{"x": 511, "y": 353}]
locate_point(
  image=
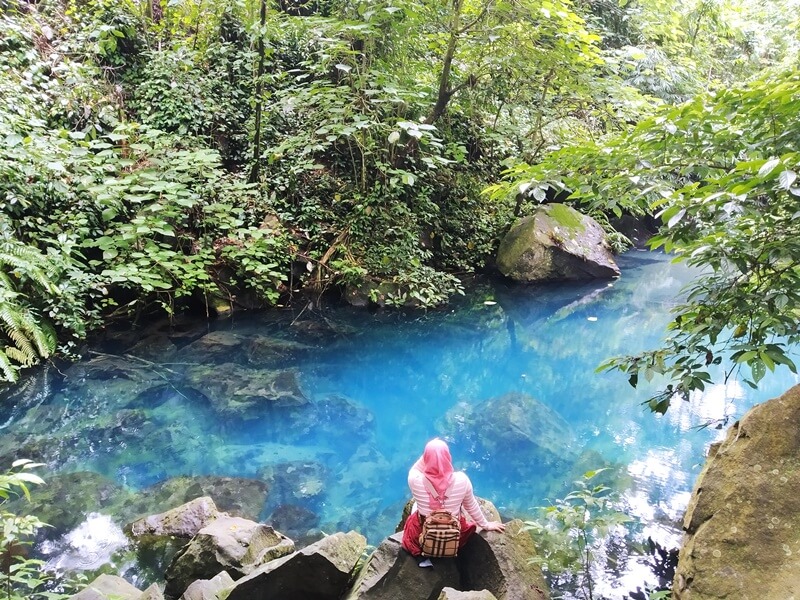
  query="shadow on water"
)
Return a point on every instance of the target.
[{"x": 310, "y": 419}]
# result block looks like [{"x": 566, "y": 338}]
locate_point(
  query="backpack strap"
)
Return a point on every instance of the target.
[{"x": 434, "y": 494}]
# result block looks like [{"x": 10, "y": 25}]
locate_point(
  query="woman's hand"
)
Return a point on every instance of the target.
[{"x": 495, "y": 526}]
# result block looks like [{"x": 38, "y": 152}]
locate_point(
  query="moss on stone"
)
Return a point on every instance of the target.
[{"x": 565, "y": 216}]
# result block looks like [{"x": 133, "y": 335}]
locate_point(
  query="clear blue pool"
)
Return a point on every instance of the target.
[{"x": 375, "y": 386}]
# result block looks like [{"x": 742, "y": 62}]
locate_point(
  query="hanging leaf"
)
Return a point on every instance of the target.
[
  {"x": 768, "y": 167},
  {"x": 786, "y": 179}
]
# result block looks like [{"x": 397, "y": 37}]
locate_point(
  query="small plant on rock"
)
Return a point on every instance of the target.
[{"x": 572, "y": 530}]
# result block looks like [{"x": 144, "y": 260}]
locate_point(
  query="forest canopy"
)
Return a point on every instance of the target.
[{"x": 164, "y": 155}]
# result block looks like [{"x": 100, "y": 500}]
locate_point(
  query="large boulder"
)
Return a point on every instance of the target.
[
  {"x": 556, "y": 243},
  {"x": 501, "y": 563},
  {"x": 741, "y": 525},
  {"x": 184, "y": 521},
  {"x": 490, "y": 565},
  {"x": 391, "y": 573},
  {"x": 152, "y": 593},
  {"x": 320, "y": 571},
  {"x": 230, "y": 544}
]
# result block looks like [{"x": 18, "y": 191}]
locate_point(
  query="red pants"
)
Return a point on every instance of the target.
[{"x": 413, "y": 528}]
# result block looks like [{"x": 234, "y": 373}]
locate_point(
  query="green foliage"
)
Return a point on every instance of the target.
[
  {"x": 22, "y": 578},
  {"x": 726, "y": 166},
  {"x": 25, "y": 336},
  {"x": 571, "y": 530},
  {"x": 129, "y": 143}
]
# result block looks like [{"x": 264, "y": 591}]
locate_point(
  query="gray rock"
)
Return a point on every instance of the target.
[
  {"x": 742, "y": 521},
  {"x": 208, "y": 589},
  {"x": 108, "y": 587},
  {"x": 320, "y": 571},
  {"x": 230, "y": 544},
  {"x": 501, "y": 563},
  {"x": 184, "y": 521},
  {"x": 556, "y": 243},
  {"x": 449, "y": 593},
  {"x": 391, "y": 572}
]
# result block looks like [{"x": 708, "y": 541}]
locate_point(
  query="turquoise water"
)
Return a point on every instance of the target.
[{"x": 507, "y": 376}]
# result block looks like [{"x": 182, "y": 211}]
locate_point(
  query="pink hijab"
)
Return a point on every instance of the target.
[{"x": 436, "y": 464}]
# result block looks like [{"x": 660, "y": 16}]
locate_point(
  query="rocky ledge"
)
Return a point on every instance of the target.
[
  {"x": 231, "y": 558},
  {"x": 742, "y": 526}
]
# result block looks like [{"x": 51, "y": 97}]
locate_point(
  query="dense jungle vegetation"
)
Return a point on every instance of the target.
[{"x": 192, "y": 154}]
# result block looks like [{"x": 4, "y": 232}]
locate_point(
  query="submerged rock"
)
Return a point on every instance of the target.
[
  {"x": 556, "y": 243},
  {"x": 263, "y": 350},
  {"x": 230, "y": 544},
  {"x": 743, "y": 518},
  {"x": 516, "y": 426},
  {"x": 335, "y": 418},
  {"x": 68, "y": 498},
  {"x": 215, "y": 347},
  {"x": 320, "y": 571},
  {"x": 240, "y": 393},
  {"x": 295, "y": 521},
  {"x": 295, "y": 481},
  {"x": 238, "y": 496}
]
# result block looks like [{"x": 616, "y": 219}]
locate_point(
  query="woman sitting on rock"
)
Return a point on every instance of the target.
[{"x": 433, "y": 472}]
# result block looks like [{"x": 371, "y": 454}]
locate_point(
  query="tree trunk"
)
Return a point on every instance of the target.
[
  {"x": 259, "y": 100},
  {"x": 445, "y": 93}
]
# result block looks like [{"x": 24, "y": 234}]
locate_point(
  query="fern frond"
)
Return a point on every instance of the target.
[
  {"x": 5, "y": 282},
  {"x": 44, "y": 336},
  {"x": 28, "y": 261},
  {"x": 7, "y": 370},
  {"x": 23, "y": 344},
  {"x": 25, "y": 359},
  {"x": 9, "y": 315}
]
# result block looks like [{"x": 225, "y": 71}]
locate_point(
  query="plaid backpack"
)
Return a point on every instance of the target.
[{"x": 440, "y": 529}]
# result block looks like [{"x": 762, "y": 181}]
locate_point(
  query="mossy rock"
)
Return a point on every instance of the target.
[{"x": 556, "y": 243}]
